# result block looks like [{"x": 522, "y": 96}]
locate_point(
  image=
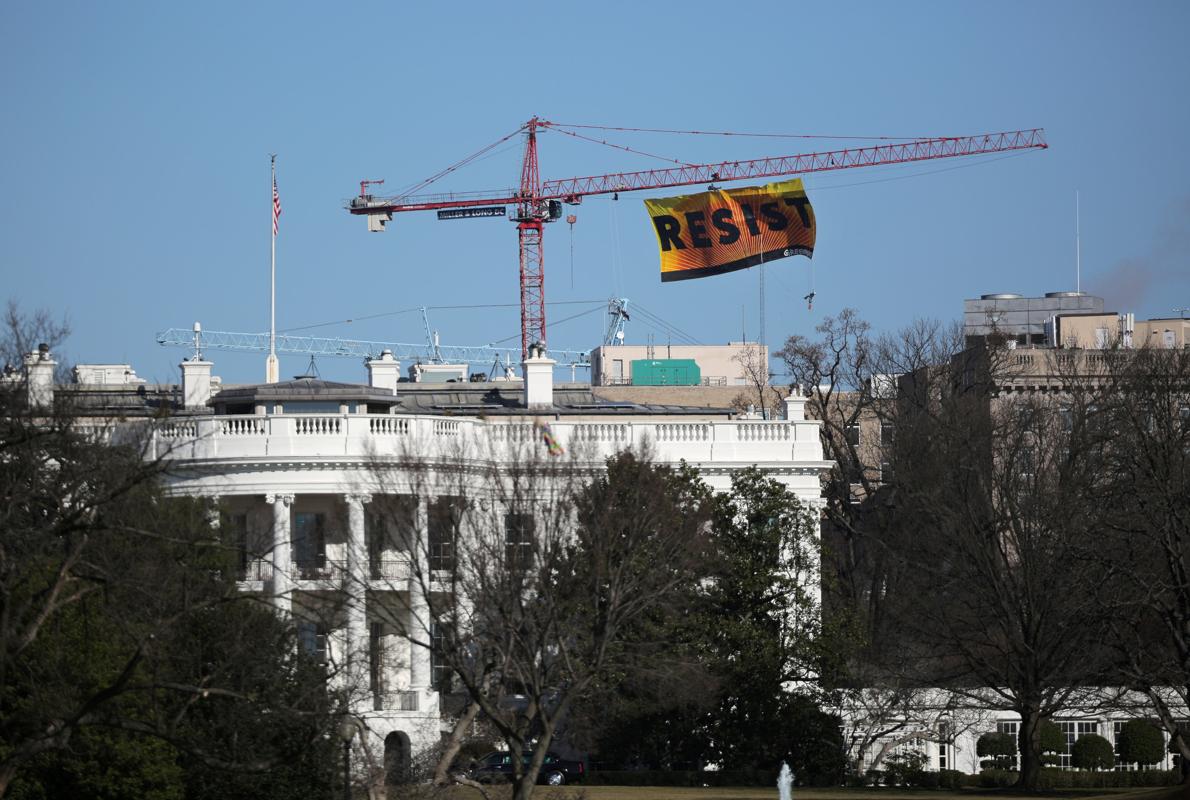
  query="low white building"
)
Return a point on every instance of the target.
[{"x": 293, "y": 467}]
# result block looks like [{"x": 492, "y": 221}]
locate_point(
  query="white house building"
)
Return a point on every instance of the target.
[{"x": 293, "y": 465}]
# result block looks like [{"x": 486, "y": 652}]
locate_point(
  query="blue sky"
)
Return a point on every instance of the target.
[{"x": 135, "y": 166}]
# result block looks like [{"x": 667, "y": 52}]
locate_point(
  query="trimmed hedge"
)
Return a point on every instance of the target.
[
  {"x": 1141, "y": 743},
  {"x": 1071, "y": 779},
  {"x": 1092, "y": 752},
  {"x": 944, "y": 779}
]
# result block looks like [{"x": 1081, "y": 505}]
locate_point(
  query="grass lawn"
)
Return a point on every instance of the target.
[
  {"x": 759, "y": 793},
  {"x": 686, "y": 793}
]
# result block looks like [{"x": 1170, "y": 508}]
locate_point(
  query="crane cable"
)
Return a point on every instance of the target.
[
  {"x": 743, "y": 135},
  {"x": 649, "y": 316},
  {"x": 432, "y": 308},
  {"x": 625, "y": 148},
  {"x": 602, "y": 305},
  {"x": 457, "y": 165}
]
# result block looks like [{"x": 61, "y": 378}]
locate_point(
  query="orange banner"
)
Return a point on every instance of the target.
[{"x": 720, "y": 231}]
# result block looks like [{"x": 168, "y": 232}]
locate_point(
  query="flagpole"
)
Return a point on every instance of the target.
[{"x": 272, "y": 369}]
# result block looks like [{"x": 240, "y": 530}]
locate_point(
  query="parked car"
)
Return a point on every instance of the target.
[{"x": 497, "y": 768}]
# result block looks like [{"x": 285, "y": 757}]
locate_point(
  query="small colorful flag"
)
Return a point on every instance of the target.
[{"x": 551, "y": 444}]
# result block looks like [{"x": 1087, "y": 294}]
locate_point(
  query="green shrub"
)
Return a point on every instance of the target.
[
  {"x": 1092, "y": 752},
  {"x": 926, "y": 779},
  {"x": 904, "y": 768},
  {"x": 1053, "y": 742},
  {"x": 1140, "y": 743},
  {"x": 1051, "y": 779},
  {"x": 998, "y": 748},
  {"x": 997, "y": 778},
  {"x": 951, "y": 779},
  {"x": 858, "y": 781}
]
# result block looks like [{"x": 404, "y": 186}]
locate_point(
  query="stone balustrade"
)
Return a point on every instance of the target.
[{"x": 365, "y": 436}]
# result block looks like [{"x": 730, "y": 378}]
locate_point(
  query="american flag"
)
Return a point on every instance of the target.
[{"x": 276, "y": 205}]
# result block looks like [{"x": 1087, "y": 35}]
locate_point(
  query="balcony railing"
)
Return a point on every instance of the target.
[
  {"x": 380, "y": 569},
  {"x": 402, "y": 700},
  {"x": 256, "y": 570},
  {"x": 318, "y": 570},
  {"x": 366, "y": 436}
]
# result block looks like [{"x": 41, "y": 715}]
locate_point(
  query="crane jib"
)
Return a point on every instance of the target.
[{"x": 572, "y": 190}]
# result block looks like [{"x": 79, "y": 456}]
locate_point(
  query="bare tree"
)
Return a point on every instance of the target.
[
  {"x": 996, "y": 499},
  {"x": 118, "y": 605},
  {"x": 1143, "y": 409},
  {"x": 957, "y": 516},
  {"x": 754, "y": 366},
  {"x": 529, "y": 569}
]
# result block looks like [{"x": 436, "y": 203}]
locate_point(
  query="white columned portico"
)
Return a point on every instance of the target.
[
  {"x": 282, "y": 555},
  {"x": 419, "y": 606},
  {"x": 355, "y": 587}
]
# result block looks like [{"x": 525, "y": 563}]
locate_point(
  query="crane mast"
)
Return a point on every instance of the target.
[
  {"x": 538, "y": 202},
  {"x": 531, "y": 218}
]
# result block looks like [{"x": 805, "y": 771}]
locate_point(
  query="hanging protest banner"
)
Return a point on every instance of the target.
[{"x": 720, "y": 231}]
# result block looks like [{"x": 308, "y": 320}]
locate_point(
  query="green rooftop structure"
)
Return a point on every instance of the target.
[{"x": 666, "y": 372}]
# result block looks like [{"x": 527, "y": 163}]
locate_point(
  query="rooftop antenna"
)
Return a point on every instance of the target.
[
  {"x": 761, "y": 340},
  {"x": 311, "y": 369},
  {"x": 197, "y": 342},
  {"x": 1078, "y": 252},
  {"x": 1182, "y": 311}
]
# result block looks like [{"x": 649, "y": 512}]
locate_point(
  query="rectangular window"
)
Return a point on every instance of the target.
[
  {"x": 853, "y": 434},
  {"x": 888, "y": 436},
  {"x": 309, "y": 543},
  {"x": 1013, "y": 730},
  {"x": 1071, "y": 731},
  {"x": 375, "y": 666},
  {"x": 445, "y": 517},
  {"x": 390, "y": 530},
  {"x": 1026, "y": 460},
  {"x": 439, "y": 670},
  {"x": 312, "y": 640},
  {"x": 518, "y": 540},
  {"x": 235, "y": 527}
]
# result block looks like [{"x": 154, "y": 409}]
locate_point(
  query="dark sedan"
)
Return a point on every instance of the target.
[{"x": 555, "y": 771}]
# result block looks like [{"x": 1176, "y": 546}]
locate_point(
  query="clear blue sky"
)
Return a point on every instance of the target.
[{"x": 136, "y": 138}]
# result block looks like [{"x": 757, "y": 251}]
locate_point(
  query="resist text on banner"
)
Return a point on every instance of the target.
[{"x": 724, "y": 230}]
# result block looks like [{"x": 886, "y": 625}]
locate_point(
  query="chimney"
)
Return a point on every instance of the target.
[
  {"x": 384, "y": 372},
  {"x": 39, "y": 371},
  {"x": 539, "y": 377},
  {"x": 795, "y": 404},
  {"x": 196, "y": 383}
]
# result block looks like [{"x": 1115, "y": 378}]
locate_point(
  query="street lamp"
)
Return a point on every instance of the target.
[{"x": 347, "y": 728}]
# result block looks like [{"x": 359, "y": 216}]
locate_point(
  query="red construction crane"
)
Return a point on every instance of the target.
[{"x": 538, "y": 202}]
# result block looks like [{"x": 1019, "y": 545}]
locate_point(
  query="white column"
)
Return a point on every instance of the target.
[
  {"x": 419, "y": 606},
  {"x": 39, "y": 376},
  {"x": 282, "y": 556},
  {"x": 355, "y": 588}
]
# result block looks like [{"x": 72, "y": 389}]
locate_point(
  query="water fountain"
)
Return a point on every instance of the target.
[{"x": 785, "y": 783}]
